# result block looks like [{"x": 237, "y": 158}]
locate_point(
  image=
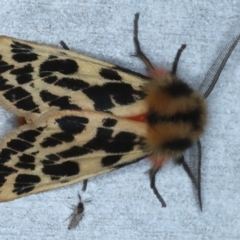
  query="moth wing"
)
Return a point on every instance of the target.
[
  {"x": 37, "y": 77},
  {"x": 66, "y": 147}
]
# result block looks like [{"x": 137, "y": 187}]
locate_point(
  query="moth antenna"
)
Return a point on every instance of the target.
[
  {"x": 64, "y": 45},
  {"x": 152, "y": 175},
  {"x": 139, "y": 53},
  {"x": 84, "y": 187},
  {"x": 177, "y": 57},
  {"x": 215, "y": 70}
]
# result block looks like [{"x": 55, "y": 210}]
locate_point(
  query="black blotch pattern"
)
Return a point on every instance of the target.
[
  {"x": 72, "y": 84},
  {"x": 4, "y": 66},
  {"x": 19, "y": 145},
  {"x": 74, "y": 152},
  {"x": 50, "y": 79},
  {"x": 50, "y": 142},
  {"x": 23, "y": 70},
  {"x": 72, "y": 124},
  {"x": 110, "y": 74},
  {"x": 128, "y": 71},
  {"x": 180, "y": 144},
  {"x": 63, "y": 136},
  {"x": 15, "y": 94},
  {"x": 29, "y": 135},
  {"x": 109, "y": 122},
  {"x": 52, "y": 57},
  {"x": 65, "y": 66},
  {"x": 65, "y": 169},
  {"x": 25, "y": 57},
  {"x": 21, "y": 46},
  {"x": 27, "y": 104},
  {"x": 24, "y": 183},
  {"x": 5, "y": 171},
  {"x": 23, "y": 52},
  {"x": 121, "y": 143},
  {"x": 178, "y": 89},
  {"x": 6, "y": 155},
  {"x": 4, "y": 85},
  {"x": 122, "y": 93},
  {"x": 46, "y": 96},
  {"x": 25, "y": 158},
  {"x": 53, "y": 157},
  {"x": 25, "y": 165},
  {"x": 25, "y": 78},
  {"x": 64, "y": 104},
  {"x": 110, "y": 160}
]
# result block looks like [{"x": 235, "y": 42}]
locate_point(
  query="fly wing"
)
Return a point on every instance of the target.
[
  {"x": 66, "y": 147},
  {"x": 34, "y": 78}
]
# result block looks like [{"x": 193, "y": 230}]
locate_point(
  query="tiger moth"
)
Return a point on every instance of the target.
[{"x": 85, "y": 117}]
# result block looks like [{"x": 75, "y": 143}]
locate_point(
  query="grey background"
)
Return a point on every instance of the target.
[{"x": 122, "y": 205}]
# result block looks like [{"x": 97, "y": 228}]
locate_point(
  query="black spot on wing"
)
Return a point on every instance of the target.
[
  {"x": 27, "y": 104},
  {"x": 25, "y": 158},
  {"x": 180, "y": 144},
  {"x": 65, "y": 169},
  {"x": 4, "y": 84},
  {"x": 25, "y": 165},
  {"x": 64, "y": 103},
  {"x": 4, "y": 172},
  {"x": 50, "y": 79},
  {"x": 63, "y": 136},
  {"x": 110, "y": 160},
  {"x": 19, "y": 145},
  {"x": 65, "y": 66},
  {"x": 53, "y": 157},
  {"x": 122, "y": 93},
  {"x": 23, "y": 70},
  {"x": 72, "y": 84},
  {"x": 16, "y": 94},
  {"x": 50, "y": 142},
  {"x": 109, "y": 122},
  {"x": 25, "y": 57},
  {"x": 22, "y": 52},
  {"x": 129, "y": 162},
  {"x": 74, "y": 152},
  {"x": 72, "y": 124},
  {"x": 46, "y": 96},
  {"x": 24, "y": 183},
  {"x": 122, "y": 142},
  {"x": 110, "y": 74},
  {"x": 25, "y": 78},
  {"x": 6, "y": 155},
  {"x": 4, "y": 66},
  {"x": 29, "y": 135}
]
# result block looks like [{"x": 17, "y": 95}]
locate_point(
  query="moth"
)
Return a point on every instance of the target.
[
  {"x": 77, "y": 214},
  {"x": 86, "y": 117}
]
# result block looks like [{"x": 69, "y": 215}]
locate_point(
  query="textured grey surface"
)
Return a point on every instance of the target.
[{"x": 123, "y": 206}]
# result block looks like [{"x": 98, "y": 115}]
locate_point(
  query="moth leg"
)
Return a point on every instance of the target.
[
  {"x": 152, "y": 175},
  {"x": 64, "y": 45},
  {"x": 196, "y": 182},
  {"x": 177, "y": 57},
  {"x": 84, "y": 187},
  {"x": 139, "y": 53}
]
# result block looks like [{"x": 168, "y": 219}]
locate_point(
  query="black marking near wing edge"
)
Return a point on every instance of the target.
[
  {"x": 25, "y": 183},
  {"x": 65, "y": 169}
]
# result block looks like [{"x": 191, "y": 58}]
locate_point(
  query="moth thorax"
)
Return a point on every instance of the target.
[{"x": 176, "y": 116}]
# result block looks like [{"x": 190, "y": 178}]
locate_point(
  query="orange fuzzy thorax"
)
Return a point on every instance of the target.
[{"x": 176, "y": 116}]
